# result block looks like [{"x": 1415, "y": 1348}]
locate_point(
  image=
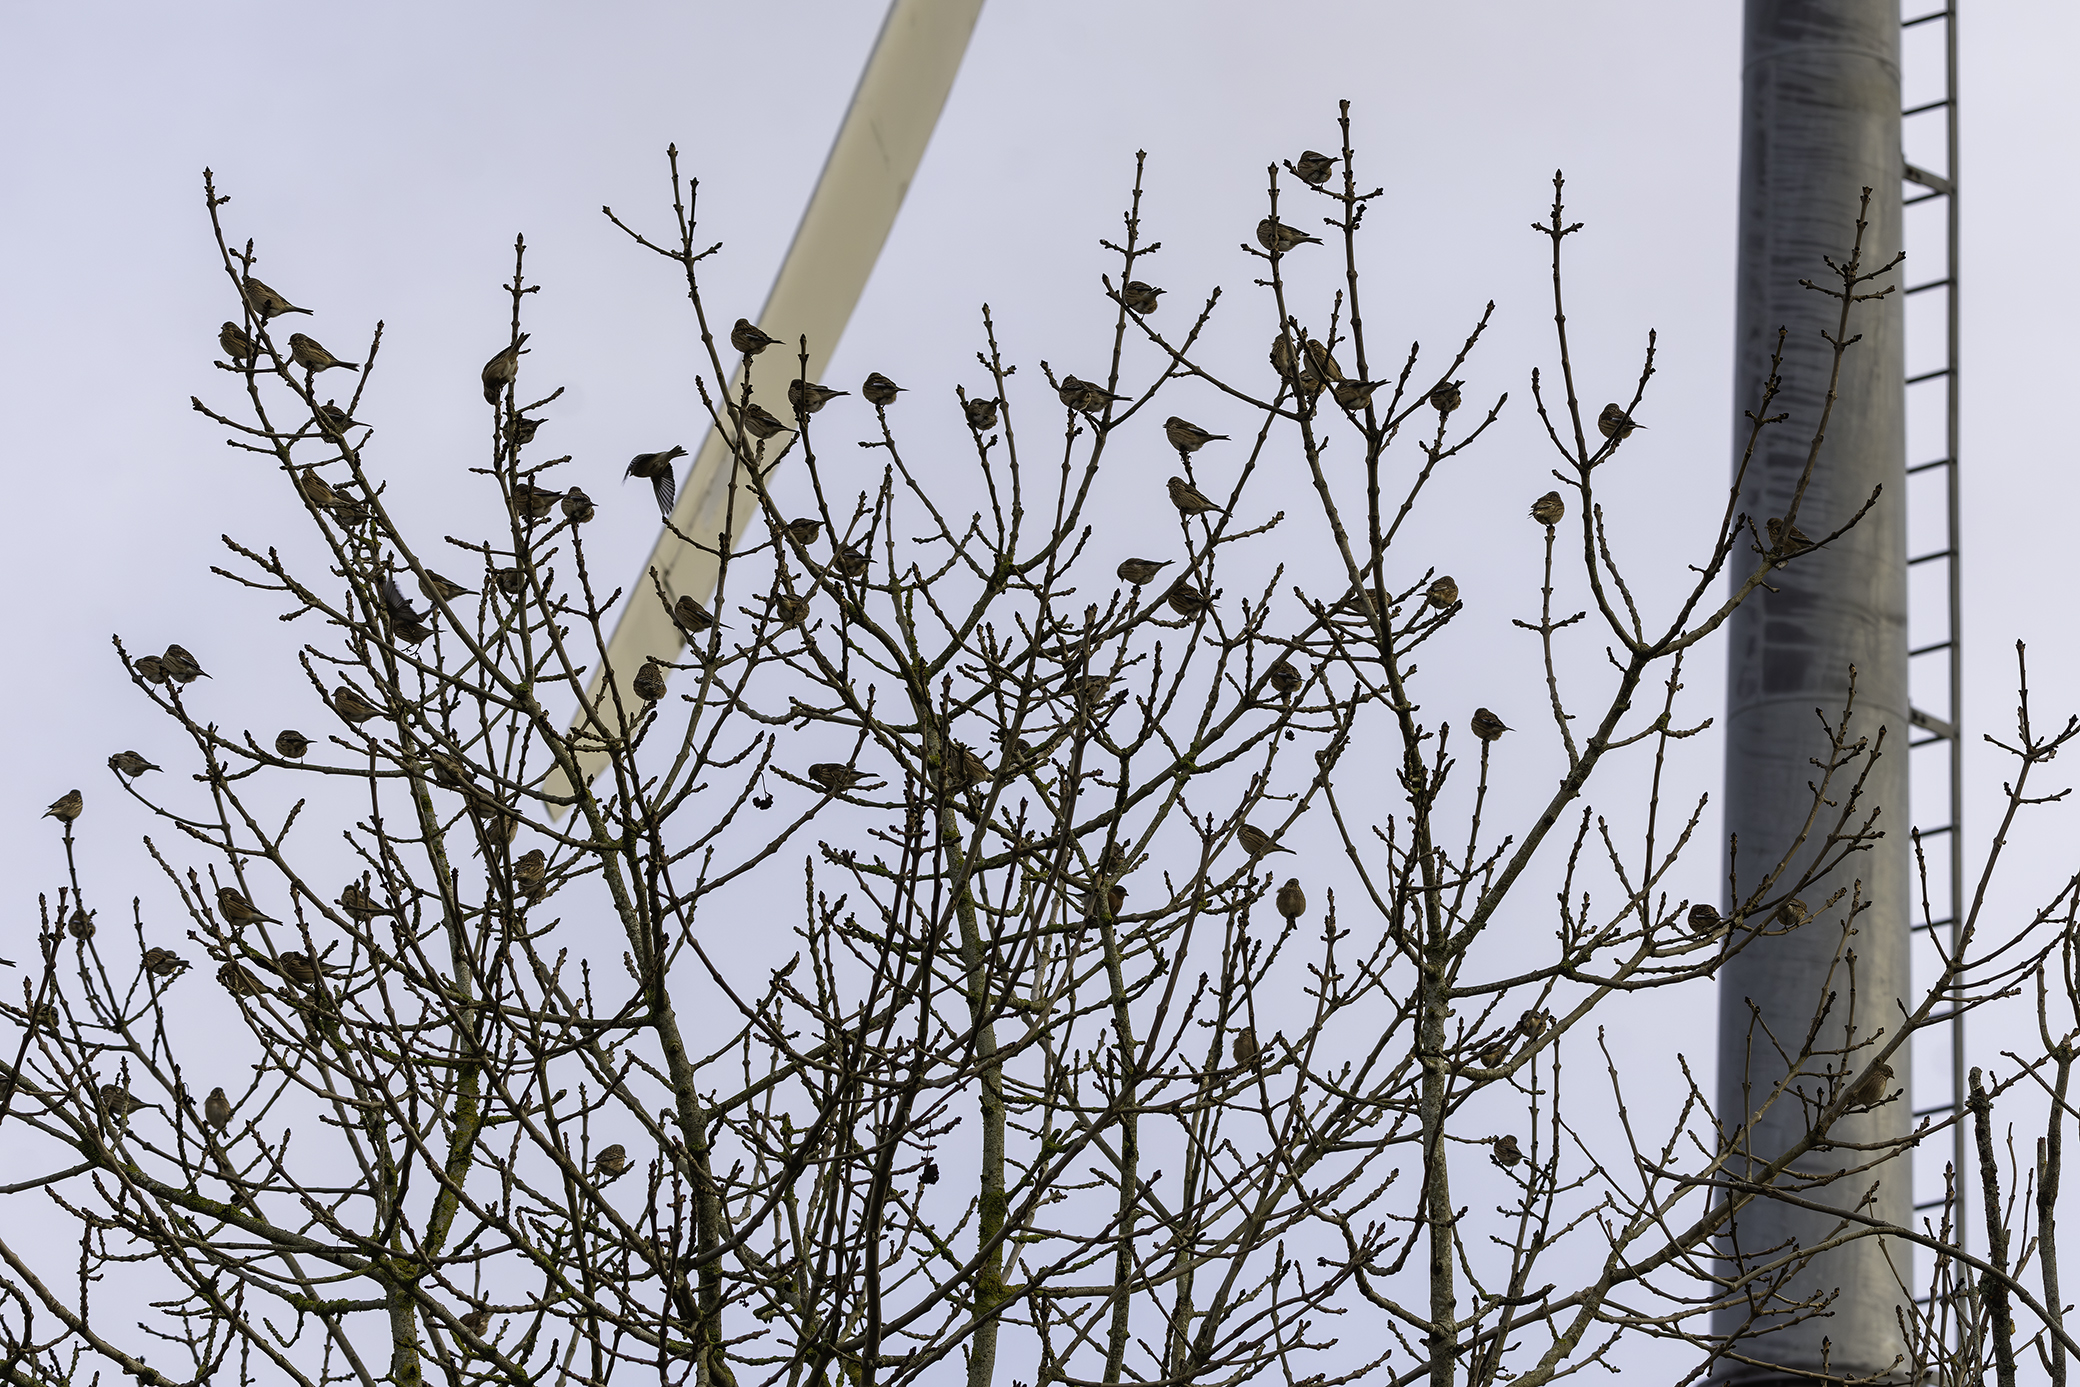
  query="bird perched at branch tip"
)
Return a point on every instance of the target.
[
  {"x": 1190, "y": 500},
  {"x": 163, "y": 963},
  {"x": 649, "y": 682},
  {"x": 151, "y": 669},
  {"x": 807, "y": 396},
  {"x": 1442, "y": 593},
  {"x": 1445, "y": 397},
  {"x": 308, "y": 353},
  {"x": 1187, "y": 437},
  {"x": 656, "y": 468},
  {"x": 65, "y": 808},
  {"x": 266, "y": 302},
  {"x": 1549, "y": 509},
  {"x": 982, "y": 414},
  {"x": 1486, "y": 725},
  {"x": 502, "y": 370},
  {"x": 879, "y": 390},
  {"x": 748, "y": 339}
]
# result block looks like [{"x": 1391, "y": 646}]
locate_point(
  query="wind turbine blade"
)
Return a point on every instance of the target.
[{"x": 871, "y": 163}]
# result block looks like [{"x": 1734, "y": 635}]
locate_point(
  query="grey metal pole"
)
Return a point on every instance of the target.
[{"x": 1820, "y": 122}]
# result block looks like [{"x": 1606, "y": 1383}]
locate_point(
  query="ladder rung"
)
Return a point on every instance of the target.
[
  {"x": 1931, "y": 284},
  {"x": 1931, "y": 722},
  {"x": 1930, "y": 928},
  {"x": 1925, "y": 18},
  {"x": 1931, "y": 1112},
  {"x": 1928, "y": 649},
  {"x": 1928, "y": 375},
  {"x": 1926, "y": 466},
  {"x": 1931, "y": 555},
  {"x": 1924, "y": 106},
  {"x": 1912, "y": 174},
  {"x": 1922, "y": 197}
]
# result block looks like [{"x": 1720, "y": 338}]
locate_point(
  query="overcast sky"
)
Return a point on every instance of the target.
[{"x": 385, "y": 155}]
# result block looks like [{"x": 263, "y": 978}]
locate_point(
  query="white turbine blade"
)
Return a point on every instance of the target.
[{"x": 871, "y": 163}]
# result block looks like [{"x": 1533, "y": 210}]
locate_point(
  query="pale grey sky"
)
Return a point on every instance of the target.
[{"x": 386, "y": 155}]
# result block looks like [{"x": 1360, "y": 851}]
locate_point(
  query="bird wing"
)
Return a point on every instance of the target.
[{"x": 667, "y": 490}]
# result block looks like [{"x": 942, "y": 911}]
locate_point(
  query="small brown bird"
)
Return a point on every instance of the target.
[
  {"x": 657, "y": 469},
  {"x": 1486, "y": 725},
  {"x": 1549, "y": 509},
  {"x": 759, "y": 422},
  {"x": 65, "y": 808},
  {"x": 291, "y": 744},
  {"x": 1256, "y": 842},
  {"x": 266, "y": 302},
  {"x": 533, "y": 503},
  {"x": 239, "y": 981},
  {"x": 81, "y": 925},
  {"x": 118, "y": 1102},
  {"x": 835, "y": 776},
  {"x": 614, "y": 1159},
  {"x": 1872, "y": 1090},
  {"x": 180, "y": 665},
  {"x": 238, "y": 910},
  {"x": 1140, "y": 297},
  {"x": 1184, "y": 599},
  {"x": 1795, "y": 542},
  {"x": 1283, "y": 359},
  {"x": 216, "y": 1109},
  {"x": 237, "y": 346},
  {"x": 297, "y": 967},
  {"x": 358, "y": 904},
  {"x": 512, "y": 582},
  {"x": 1494, "y": 1054},
  {"x": 130, "y": 763},
  {"x": 352, "y": 706},
  {"x": 1704, "y": 918},
  {"x": 1446, "y": 397},
  {"x": 1141, "y": 572},
  {"x": 849, "y": 562},
  {"x": 982, "y": 414},
  {"x": 477, "y": 1321},
  {"x": 1188, "y": 499},
  {"x": 967, "y": 768},
  {"x": 502, "y": 370},
  {"x": 1534, "y": 1023},
  {"x": 578, "y": 507},
  {"x": 530, "y": 872},
  {"x": 692, "y": 617},
  {"x": 1291, "y": 900},
  {"x": 1282, "y": 676},
  {"x": 793, "y": 611},
  {"x": 649, "y": 682},
  {"x": 748, "y": 339},
  {"x": 1312, "y": 168},
  {"x": 316, "y": 490},
  {"x": 336, "y": 418},
  {"x": 1507, "y": 1153},
  {"x": 1616, "y": 423},
  {"x": 522, "y": 430},
  {"x": 1246, "y": 1047},
  {"x": 807, "y": 396},
  {"x": 152, "y": 668},
  {"x": 1792, "y": 913},
  {"x": 1115, "y": 901},
  {"x": 1187, "y": 437},
  {"x": 1354, "y": 395},
  {"x": 804, "y": 531},
  {"x": 307, "y": 353},
  {"x": 1278, "y": 238},
  {"x": 1090, "y": 688},
  {"x": 435, "y": 587},
  {"x": 1442, "y": 593},
  {"x": 879, "y": 390},
  {"x": 163, "y": 963},
  {"x": 1083, "y": 396}
]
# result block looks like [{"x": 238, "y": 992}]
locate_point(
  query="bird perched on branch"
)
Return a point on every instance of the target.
[
  {"x": 792, "y": 611},
  {"x": 1140, "y": 297},
  {"x": 1246, "y": 1048},
  {"x": 656, "y": 468},
  {"x": 312, "y": 357},
  {"x": 232, "y": 338},
  {"x": 216, "y": 1109},
  {"x": 1190, "y": 500},
  {"x": 1282, "y": 676},
  {"x": 649, "y": 682},
  {"x": 238, "y": 910},
  {"x": 180, "y": 666},
  {"x": 1442, "y": 593},
  {"x": 118, "y": 1102},
  {"x": 352, "y": 706},
  {"x": 298, "y": 968},
  {"x": 433, "y": 586},
  {"x": 1446, "y": 397},
  {"x": 512, "y": 582},
  {"x": 614, "y": 1159},
  {"x": 502, "y": 370},
  {"x": 807, "y": 396},
  {"x": 266, "y": 302},
  {"x": 533, "y": 503},
  {"x": 477, "y": 1321},
  {"x": 1187, "y": 437},
  {"x": 1507, "y": 1153},
  {"x": 1275, "y": 236},
  {"x": 835, "y": 776},
  {"x": 1085, "y": 397},
  {"x": 163, "y": 963},
  {"x": 691, "y": 616},
  {"x": 151, "y": 669},
  {"x": 358, "y": 904},
  {"x": 66, "y": 807},
  {"x": 1141, "y": 572},
  {"x": 1704, "y": 918},
  {"x": 1291, "y": 900},
  {"x": 522, "y": 430},
  {"x": 1615, "y": 423},
  {"x": 130, "y": 763},
  {"x": 1256, "y": 842},
  {"x": 1871, "y": 1091},
  {"x": 239, "y": 981},
  {"x": 1486, "y": 725},
  {"x": 879, "y": 390},
  {"x": 1354, "y": 394},
  {"x": 1313, "y": 168},
  {"x": 748, "y": 339},
  {"x": 291, "y": 744},
  {"x": 1534, "y": 1023},
  {"x": 758, "y": 421},
  {"x": 849, "y": 562},
  {"x": 1549, "y": 509},
  {"x": 1793, "y": 913},
  {"x": 1791, "y": 540},
  {"x": 982, "y": 414},
  {"x": 531, "y": 873},
  {"x": 805, "y": 530}
]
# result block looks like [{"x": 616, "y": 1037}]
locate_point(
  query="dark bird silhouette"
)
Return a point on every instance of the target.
[
  {"x": 501, "y": 370},
  {"x": 657, "y": 469},
  {"x": 266, "y": 302},
  {"x": 748, "y": 340},
  {"x": 312, "y": 357},
  {"x": 879, "y": 390}
]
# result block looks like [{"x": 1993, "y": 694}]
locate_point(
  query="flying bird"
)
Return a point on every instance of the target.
[{"x": 657, "y": 468}]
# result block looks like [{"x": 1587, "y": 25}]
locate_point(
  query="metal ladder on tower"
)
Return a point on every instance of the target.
[{"x": 1936, "y": 654}]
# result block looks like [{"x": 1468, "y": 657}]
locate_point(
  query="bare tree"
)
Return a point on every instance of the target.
[{"x": 1058, "y": 1081}]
